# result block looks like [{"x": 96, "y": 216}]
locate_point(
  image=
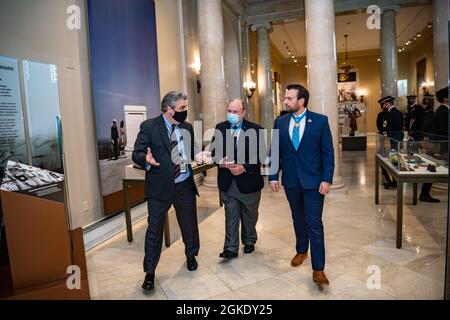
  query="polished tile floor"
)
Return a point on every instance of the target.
[{"x": 360, "y": 250}]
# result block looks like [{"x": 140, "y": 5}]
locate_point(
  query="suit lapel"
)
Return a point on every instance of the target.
[
  {"x": 285, "y": 132},
  {"x": 163, "y": 132},
  {"x": 308, "y": 125},
  {"x": 242, "y": 131}
]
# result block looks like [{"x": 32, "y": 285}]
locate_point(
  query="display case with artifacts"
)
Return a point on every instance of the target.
[
  {"x": 353, "y": 125},
  {"x": 427, "y": 156},
  {"x": 41, "y": 250},
  {"x": 409, "y": 161}
]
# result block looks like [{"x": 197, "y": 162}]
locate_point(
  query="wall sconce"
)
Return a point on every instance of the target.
[
  {"x": 250, "y": 87},
  {"x": 427, "y": 87},
  {"x": 362, "y": 94},
  {"x": 196, "y": 68}
]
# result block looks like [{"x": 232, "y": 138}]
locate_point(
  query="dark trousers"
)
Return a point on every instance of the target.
[
  {"x": 240, "y": 208},
  {"x": 386, "y": 175},
  {"x": 116, "y": 149},
  {"x": 426, "y": 188},
  {"x": 306, "y": 207},
  {"x": 185, "y": 204}
]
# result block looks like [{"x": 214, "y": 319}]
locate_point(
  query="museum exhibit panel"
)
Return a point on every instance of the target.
[
  {"x": 42, "y": 248},
  {"x": 39, "y": 244},
  {"x": 353, "y": 125}
]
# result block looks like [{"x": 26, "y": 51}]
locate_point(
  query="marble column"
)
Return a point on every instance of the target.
[
  {"x": 264, "y": 83},
  {"x": 388, "y": 36},
  {"x": 212, "y": 75},
  {"x": 322, "y": 69},
  {"x": 440, "y": 43}
]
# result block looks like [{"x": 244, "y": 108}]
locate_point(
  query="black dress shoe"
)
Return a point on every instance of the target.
[
  {"x": 149, "y": 282},
  {"x": 192, "y": 264},
  {"x": 249, "y": 248},
  {"x": 428, "y": 198},
  {"x": 391, "y": 185},
  {"x": 227, "y": 254}
]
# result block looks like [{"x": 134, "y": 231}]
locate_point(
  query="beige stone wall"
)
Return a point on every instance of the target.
[{"x": 170, "y": 56}]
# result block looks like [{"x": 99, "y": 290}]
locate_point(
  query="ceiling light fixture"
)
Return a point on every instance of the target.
[{"x": 346, "y": 66}]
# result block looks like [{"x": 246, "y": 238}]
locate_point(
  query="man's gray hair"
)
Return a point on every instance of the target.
[
  {"x": 171, "y": 99},
  {"x": 237, "y": 99}
]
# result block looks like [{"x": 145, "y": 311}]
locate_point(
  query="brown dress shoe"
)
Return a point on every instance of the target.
[
  {"x": 320, "y": 278},
  {"x": 298, "y": 259}
]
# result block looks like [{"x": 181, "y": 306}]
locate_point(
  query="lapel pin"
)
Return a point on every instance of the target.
[{"x": 309, "y": 121}]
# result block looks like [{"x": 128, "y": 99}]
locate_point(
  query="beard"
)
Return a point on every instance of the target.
[{"x": 292, "y": 109}]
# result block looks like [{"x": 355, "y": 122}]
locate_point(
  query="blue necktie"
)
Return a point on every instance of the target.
[{"x": 296, "y": 131}]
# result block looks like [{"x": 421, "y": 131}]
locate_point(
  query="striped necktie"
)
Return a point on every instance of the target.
[{"x": 175, "y": 152}]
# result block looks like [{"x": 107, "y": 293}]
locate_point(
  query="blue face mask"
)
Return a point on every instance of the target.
[{"x": 232, "y": 118}]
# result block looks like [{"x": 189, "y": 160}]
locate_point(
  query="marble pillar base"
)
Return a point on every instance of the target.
[{"x": 210, "y": 180}]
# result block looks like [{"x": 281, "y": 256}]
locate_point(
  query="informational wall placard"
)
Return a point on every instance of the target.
[
  {"x": 12, "y": 134},
  {"x": 42, "y": 100}
]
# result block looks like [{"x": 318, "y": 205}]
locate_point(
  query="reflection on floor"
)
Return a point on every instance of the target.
[{"x": 360, "y": 239}]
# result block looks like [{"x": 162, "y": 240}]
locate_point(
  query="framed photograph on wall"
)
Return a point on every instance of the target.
[{"x": 347, "y": 86}]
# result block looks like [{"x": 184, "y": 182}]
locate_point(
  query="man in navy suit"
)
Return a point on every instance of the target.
[{"x": 306, "y": 156}]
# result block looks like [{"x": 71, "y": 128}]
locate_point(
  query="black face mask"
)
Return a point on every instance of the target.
[{"x": 180, "y": 116}]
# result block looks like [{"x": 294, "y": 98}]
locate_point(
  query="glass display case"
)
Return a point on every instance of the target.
[
  {"x": 353, "y": 125},
  {"x": 414, "y": 152}
]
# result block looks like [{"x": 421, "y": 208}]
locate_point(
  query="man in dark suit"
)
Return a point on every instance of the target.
[
  {"x": 165, "y": 147},
  {"x": 440, "y": 122},
  {"x": 415, "y": 116},
  {"x": 235, "y": 149},
  {"x": 437, "y": 123},
  {"x": 115, "y": 139},
  {"x": 427, "y": 124},
  {"x": 306, "y": 155}
]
